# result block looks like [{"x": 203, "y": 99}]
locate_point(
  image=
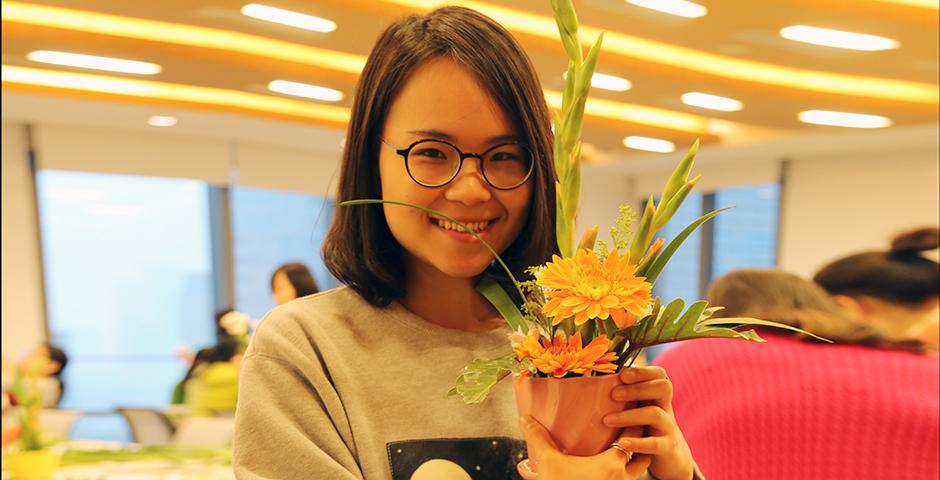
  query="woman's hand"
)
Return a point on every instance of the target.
[
  {"x": 610, "y": 464},
  {"x": 671, "y": 457}
]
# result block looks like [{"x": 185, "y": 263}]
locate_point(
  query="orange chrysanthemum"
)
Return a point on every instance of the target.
[
  {"x": 585, "y": 288},
  {"x": 560, "y": 358}
]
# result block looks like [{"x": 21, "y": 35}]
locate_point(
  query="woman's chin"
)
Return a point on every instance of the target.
[{"x": 463, "y": 268}]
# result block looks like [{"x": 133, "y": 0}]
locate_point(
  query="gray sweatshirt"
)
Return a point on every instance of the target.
[{"x": 334, "y": 388}]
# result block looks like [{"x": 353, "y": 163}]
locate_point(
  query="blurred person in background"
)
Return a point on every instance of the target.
[
  {"x": 213, "y": 386},
  {"x": 51, "y": 384},
  {"x": 290, "y": 281},
  {"x": 897, "y": 291},
  {"x": 864, "y": 407},
  {"x": 197, "y": 362}
]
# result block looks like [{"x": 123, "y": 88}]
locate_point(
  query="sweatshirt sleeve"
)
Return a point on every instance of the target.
[{"x": 290, "y": 422}]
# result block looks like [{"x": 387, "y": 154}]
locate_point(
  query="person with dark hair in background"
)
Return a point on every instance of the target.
[
  {"x": 897, "y": 291},
  {"x": 53, "y": 360},
  {"x": 213, "y": 387},
  {"x": 292, "y": 280},
  {"x": 179, "y": 391},
  {"x": 57, "y": 362},
  {"x": 863, "y": 407},
  {"x": 351, "y": 383}
]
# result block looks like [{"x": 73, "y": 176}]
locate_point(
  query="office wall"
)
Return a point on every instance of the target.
[
  {"x": 22, "y": 303},
  {"x": 839, "y": 204}
]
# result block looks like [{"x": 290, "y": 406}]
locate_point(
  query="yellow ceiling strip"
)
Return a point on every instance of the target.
[
  {"x": 712, "y": 64},
  {"x": 636, "y": 113},
  {"x": 170, "y": 91},
  {"x": 212, "y": 38},
  {"x": 232, "y": 98},
  {"x": 166, "y": 32}
]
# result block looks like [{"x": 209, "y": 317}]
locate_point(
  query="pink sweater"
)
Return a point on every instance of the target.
[{"x": 788, "y": 409}]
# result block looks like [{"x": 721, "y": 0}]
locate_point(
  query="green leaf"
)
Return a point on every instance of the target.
[
  {"x": 477, "y": 379},
  {"x": 657, "y": 266},
  {"x": 643, "y": 232},
  {"x": 493, "y": 291},
  {"x": 567, "y": 21},
  {"x": 717, "y": 322},
  {"x": 696, "y": 322},
  {"x": 563, "y": 228},
  {"x": 679, "y": 175},
  {"x": 666, "y": 210}
]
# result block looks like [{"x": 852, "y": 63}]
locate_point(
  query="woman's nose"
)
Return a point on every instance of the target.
[{"x": 469, "y": 187}]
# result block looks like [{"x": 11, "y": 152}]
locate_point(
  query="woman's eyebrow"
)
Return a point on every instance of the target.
[{"x": 440, "y": 135}]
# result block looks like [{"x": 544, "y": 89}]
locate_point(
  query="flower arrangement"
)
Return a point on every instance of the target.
[
  {"x": 237, "y": 325},
  {"x": 26, "y": 397},
  {"x": 590, "y": 311}
]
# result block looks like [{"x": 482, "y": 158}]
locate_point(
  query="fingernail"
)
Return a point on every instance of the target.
[
  {"x": 608, "y": 420},
  {"x": 628, "y": 374}
]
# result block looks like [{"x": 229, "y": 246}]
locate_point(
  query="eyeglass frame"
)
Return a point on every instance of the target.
[{"x": 404, "y": 152}]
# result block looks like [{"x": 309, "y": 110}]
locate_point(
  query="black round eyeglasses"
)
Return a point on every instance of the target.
[{"x": 435, "y": 163}]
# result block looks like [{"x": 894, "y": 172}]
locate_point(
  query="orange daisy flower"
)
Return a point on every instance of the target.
[
  {"x": 586, "y": 289},
  {"x": 560, "y": 358}
]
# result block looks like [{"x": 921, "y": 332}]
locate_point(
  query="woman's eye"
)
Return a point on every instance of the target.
[
  {"x": 504, "y": 156},
  {"x": 430, "y": 153}
]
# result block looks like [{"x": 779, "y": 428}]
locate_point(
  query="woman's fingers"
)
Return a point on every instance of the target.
[
  {"x": 658, "y": 419},
  {"x": 658, "y": 391},
  {"x": 638, "y": 466},
  {"x": 648, "y": 445},
  {"x": 525, "y": 472},
  {"x": 642, "y": 374},
  {"x": 537, "y": 438}
]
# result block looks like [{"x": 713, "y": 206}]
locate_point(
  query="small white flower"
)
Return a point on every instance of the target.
[{"x": 235, "y": 323}]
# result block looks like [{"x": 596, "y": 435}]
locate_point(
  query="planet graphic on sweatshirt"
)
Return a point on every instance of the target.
[{"x": 440, "y": 469}]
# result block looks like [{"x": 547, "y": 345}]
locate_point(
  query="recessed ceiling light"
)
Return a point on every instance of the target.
[
  {"x": 607, "y": 82},
  {"x": 289, "y": 18},
  {"x": 161, "y": 121},
  {"x": 837, "y": 38},
  {"x": 649, "y": 144},
  {"x": 932, "y": 4},
  {"x": 844, "y": 119},
  {"x": 91, "y": 61},
  {"x": 189, "y": 94},
  {"x": 610, "y": 82},
  {"x": 305, "y": 90},
  {"x": 681, "y": 8},
  {"x": 714, "y": 102}
]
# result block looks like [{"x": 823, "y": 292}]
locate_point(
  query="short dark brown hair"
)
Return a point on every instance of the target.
[
  {"x": 785, "y": 298},
  {"x": 299, "y": 277},
  {"x": 900, "y": 275},
  {"x": 359, "y": 249}
]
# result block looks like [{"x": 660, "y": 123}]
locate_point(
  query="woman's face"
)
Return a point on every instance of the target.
[
  {"x": 442, "y": 100},
  {"x": 282, "y": 289}
]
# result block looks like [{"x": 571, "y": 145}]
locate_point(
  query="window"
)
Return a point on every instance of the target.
[
  {"x": 128, "y": 272},
  {"x": 745, "y": 236},
  {"x": 271, "y": 228}
]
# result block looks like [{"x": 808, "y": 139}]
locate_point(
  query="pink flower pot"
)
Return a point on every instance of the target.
[{"x": 573, "y": 409}]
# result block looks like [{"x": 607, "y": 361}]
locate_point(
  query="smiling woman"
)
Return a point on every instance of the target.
[{"x": 449, "y": 126}]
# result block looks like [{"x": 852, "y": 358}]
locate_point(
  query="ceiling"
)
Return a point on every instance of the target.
[{"x": 733, "y": 51}]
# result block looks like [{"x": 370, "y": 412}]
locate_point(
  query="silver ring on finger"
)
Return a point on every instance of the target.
[{"x": 627, "y": 454}]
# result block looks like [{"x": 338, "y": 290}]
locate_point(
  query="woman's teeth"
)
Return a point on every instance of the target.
[{"x": 448, "y": 225}]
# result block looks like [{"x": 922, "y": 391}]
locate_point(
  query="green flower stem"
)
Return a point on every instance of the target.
[{"x": 568, "y": 123}]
